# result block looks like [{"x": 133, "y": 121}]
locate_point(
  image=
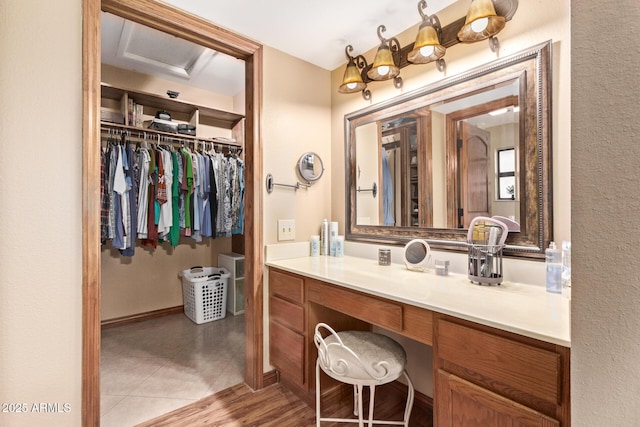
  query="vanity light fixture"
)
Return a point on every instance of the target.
[
  {"x": 482, "y": 23},
  {"x": 427, "y": 47},
  {"x": 384, "y": 65},
  {"x": 352, "y": 81},
  {"x": 484, "y": 20}
]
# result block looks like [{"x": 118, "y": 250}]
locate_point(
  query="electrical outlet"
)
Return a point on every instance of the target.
[{"x": 286, "y": 229}]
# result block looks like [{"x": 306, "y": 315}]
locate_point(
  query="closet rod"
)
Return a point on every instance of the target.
[{"x": 150, "y": 134}]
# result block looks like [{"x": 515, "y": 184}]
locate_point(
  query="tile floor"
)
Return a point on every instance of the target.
[{"x": 153, "y": 367}]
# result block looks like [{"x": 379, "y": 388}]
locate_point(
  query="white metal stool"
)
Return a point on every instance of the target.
[{"x": 362, "y": 359}]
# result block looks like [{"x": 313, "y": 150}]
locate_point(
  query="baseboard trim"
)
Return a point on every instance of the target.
[
  {"x": 134, "y": 318},
  {"x": 332, "y": 395},
  {"x": 419, "y": 399},
  {"x": 270, "y": 378}
]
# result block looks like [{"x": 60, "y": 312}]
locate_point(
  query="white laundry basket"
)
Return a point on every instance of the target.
[{"x": 204, "y": 291}]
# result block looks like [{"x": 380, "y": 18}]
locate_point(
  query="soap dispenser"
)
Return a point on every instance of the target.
[{"x": 553, "y": 257}]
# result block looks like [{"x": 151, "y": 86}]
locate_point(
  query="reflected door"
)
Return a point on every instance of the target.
[{"x": 474, "y": 152}]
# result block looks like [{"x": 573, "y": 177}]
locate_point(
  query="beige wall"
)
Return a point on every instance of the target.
[
  {"x": 295, "y": 119},
  {"x": 150, "y": 280},
  {"x": 368, "y": 153},
  {"x": 605, "y": 160},
  {"x": 40, "y": 209}
]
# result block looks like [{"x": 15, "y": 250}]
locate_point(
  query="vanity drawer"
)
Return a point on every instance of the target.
[
  {"x": 286, "y": 313},
  {"x": 286, "y": 350},
  {"x": 505, "y": 363},
  {"x": 287, "y": 286},
  {"x": 355, "y": 304},
  {"x": 418, "y": 324}
]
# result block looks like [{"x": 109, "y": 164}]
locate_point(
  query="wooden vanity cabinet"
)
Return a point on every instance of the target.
[
  {"x": 482, "y": 376},
  {"x": 287, "y": 327},
  {"x": 296, "y": 305},
  {"x": 485, "y": 376}
]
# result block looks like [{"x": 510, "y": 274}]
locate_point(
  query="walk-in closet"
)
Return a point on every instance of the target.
[{"x": 172, "y": 207}]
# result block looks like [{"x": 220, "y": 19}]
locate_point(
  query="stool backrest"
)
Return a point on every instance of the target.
[{"x": 335, "y": 357}]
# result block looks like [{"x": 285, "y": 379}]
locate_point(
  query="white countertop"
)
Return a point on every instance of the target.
[{"x": 522, "y": 309}]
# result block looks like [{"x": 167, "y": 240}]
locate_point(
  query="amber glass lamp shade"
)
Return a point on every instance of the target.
[
  {"x": 352, "y": 80},
  {"x": 427, "y": 47},
  {"x": 384, "y": 67},
  {"x": 482, "y": 22}
]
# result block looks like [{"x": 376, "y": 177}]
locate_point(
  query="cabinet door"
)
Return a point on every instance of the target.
[{"x": 460, "y": 403}]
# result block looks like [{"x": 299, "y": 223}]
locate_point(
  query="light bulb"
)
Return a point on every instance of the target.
[
  {"x": 479, "y": 25},
  {"x": 383, "y": 70},
  {"x": 499, "y": 111},
  {"x": 426, "y": 50},
  {"x": 351, "y": 86}
]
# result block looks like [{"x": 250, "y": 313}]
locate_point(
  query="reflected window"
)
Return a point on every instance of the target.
[{"x": 506, "y": 166}]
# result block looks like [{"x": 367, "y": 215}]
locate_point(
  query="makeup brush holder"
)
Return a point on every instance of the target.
[{"x": 485, "y": 264}]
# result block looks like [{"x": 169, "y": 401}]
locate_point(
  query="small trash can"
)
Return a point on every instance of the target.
[{"x": 204, "y": 292}]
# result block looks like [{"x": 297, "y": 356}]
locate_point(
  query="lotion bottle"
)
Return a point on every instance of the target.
[
  {"x": 324, "y": 237},
  {"x": 566, "y": 269},
  {"x": 553, "y": 257}
]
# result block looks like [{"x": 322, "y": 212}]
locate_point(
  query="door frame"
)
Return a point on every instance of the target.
[{"x": 193, "y": 28}]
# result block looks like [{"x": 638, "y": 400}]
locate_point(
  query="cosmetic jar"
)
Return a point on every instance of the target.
[
  {"x": 384, "y": 256},
  {"x": 442, "y": 268}
]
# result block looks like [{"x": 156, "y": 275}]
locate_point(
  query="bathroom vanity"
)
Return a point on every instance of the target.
[{"x": 500, "y": 353}]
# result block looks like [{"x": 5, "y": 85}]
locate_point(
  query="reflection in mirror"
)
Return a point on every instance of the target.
[
  {"x": 478, "y": 129},
  {"x": 310, "y": 167},
  {"x": 392, "y": 152},
  {"x": 468, "y": 146}
]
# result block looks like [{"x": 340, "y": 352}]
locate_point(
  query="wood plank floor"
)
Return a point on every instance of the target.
[{"x": 276, "y": 406}]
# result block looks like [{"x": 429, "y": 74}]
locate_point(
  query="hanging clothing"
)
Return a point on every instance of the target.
[
  {"x": 237, "y": 199},
  {"x": 144, "y": 159},
  {"x": 152, "y": 231},
  {"x": 187, "y": 188},
  {"x": 174, "y": 232},
  {"x": 205, "y": 217},
  {"x": 104, "y": 197},
  {"x": 165, "y": 217},
  {"x": 197, "y": 198},
  {"x": 387, "y": 191},
  {"x": 112, "y": 158},
  {"x": 119, "y": 188},
  {"x": 156, "y": 194},
  {"x": 131, "y": 220}
]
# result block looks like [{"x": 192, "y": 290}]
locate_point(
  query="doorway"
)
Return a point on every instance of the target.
[{"x": 189, "y": 27}]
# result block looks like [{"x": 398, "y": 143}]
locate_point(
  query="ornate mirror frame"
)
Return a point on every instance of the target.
[{"x": 533, "y": 68}]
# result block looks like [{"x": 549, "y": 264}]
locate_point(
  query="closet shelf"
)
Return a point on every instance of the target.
[{"x": 218, "y": 118}]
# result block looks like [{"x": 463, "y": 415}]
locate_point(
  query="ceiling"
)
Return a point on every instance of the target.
[{"x": 316, "y": 32}]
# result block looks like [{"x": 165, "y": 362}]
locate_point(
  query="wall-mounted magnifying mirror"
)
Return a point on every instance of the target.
[{"x": 310, "y": 167}]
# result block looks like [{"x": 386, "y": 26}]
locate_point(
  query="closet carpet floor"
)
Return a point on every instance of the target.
[{"x": 153, "y": 367}]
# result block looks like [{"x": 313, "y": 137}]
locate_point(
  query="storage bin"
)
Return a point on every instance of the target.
[
  {"x": 234, "y": 264},
  {"x": 204, "y": 291}
]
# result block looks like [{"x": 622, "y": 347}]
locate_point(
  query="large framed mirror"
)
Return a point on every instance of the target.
[{"x": 476, "y": 144}]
